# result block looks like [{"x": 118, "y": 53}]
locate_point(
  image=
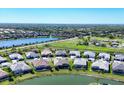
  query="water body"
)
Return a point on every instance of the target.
[
  {"x": 68, "y": 80},
  {"x": 18, "y": 42}
]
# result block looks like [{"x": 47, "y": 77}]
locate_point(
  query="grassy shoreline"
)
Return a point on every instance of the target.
[{"x": 66, "y": 72}]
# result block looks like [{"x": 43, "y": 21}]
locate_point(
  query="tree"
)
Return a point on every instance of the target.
[
  {"x": 46, "y": 45},
  {"x": 111, "y": 36},
  {"x": 86, "y": 42},
  {"x": 88, "y": 38}
]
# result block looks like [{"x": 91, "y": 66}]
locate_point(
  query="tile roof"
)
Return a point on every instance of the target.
[
  {"x": 60, "y": 52},
  {"x": 118, "y": 65},
  {"x": 119, "y": 57},
  {"x": 60, "y": 61},
  {"x": 80, "y": 61},
  {"x": 15, "y": 56},
  {"x": 46, "y": 52},
  {"x": 2, "y": 59},
  {"x": 104, "y": 55},
  {"x": 76, "y": 53},
  {"x": 3, "y": 73},
  {"x": 89, "y": 53},
  {"x": 31, "y": 54},
  {"x": 20, "y": 66},
  {"x": 40, "y": 62},
  {"x": 101, "y": 64}
]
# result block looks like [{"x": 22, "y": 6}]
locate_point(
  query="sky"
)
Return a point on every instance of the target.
[{"x": 62, "y": 15}]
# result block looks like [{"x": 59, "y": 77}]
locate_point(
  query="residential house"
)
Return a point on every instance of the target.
[
  {"x": 119, "y": 57},
  {"x": 6, "y": 64},
  {"x": 61, "y": 53},
  {"x": 100, "y": 65},
  {"x": 41, "y": 64},
  {"x": 20, "y": 68},
  {"x": 90, "y": 55},
  {"x": 46, "y": 53},
  {"x": 2, "y": 59},
  {"x": 118, "y": 67},
  {"x": 61, "y": 63},
  {"x": 104, "y": 56},
  {"x": 80, "y": 63},
  {"x": 74, "y": 54},
  {"x": 31, "y": 55},
  {"x": 3, "y": 75},
  {"x": 15, "y": 56}
]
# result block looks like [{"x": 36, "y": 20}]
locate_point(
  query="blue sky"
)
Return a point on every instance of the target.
[{"x": 62, "y": 15}]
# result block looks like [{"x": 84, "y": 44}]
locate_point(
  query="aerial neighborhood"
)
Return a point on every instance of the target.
[
  {"x": 16, "y": 64},
  {"x": 76, "y": 49}
]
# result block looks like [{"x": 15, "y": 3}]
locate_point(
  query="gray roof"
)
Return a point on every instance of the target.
[
  {"x": 80, "y": 61},
  {"x": 46, "y": 52},
  {"x": 2, "y": 59},
  {"x": 15, "y": 55},
  {"x": 119, "y": 57},
  {"x": 60, "y": 52},
  {"x": 60, "y": 61},
  {"x": 31, "y": 54},
  {"x": 76, "y": 53},
  {"x": 19, "y": 66},
  {"x": 101, "y": 64},
  {"x": 6, "y": 64},
  {"x": 89, "y": 53},
  {"x": 3, "y": 73},
  {"x": 118, "y": 65},
  {"x": 40, "y": 62},
  {"x": 106, "y": 56}
]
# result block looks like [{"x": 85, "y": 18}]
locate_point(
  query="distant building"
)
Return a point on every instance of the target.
[{"x": 115, "y": 44}]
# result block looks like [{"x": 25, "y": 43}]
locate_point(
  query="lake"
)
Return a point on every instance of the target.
[
  {"x": 68, "y": 80},
  {"x": 18, "y": 42}
]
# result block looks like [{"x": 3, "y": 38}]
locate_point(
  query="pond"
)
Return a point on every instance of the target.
[
  {"x": 18, "y": 42},
  {"x": 68, "y": 80}
]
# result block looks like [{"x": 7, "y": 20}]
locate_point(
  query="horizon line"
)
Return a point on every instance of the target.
[{"x": 69, "y": 23}]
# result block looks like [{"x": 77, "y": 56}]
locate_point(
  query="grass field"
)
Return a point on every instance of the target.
[{"x": 72, "y": 44}]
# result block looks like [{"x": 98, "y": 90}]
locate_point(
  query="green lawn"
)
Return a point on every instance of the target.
[{"x": 72, "y": 44}]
